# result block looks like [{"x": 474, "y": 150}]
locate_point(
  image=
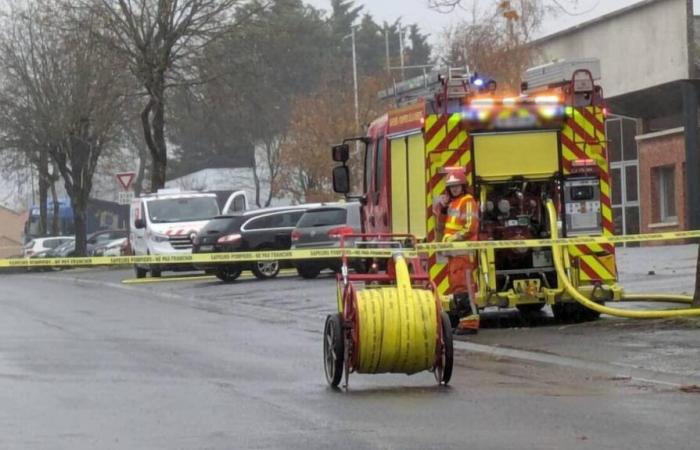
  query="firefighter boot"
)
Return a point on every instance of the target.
[{"x": 470, "y": 323}]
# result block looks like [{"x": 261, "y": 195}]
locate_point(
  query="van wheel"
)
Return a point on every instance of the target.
[
  {"x": 140, "y": 273},
  {"x": 264, "y": 270}
]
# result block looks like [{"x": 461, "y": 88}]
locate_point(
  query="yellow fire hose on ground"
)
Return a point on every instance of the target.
[
  {"x": 632, "y": 314},
  {"x": 388, "y": 329}
]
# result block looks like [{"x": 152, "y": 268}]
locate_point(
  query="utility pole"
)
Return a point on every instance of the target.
[
  {"x": 386, "y": 45},
  {"x": 354, "y": 77},
  {"x": 401, "y": 33}
]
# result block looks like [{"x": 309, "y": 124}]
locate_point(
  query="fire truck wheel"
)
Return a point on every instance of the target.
[
  {"x": 140, "y": 273},
  {"x": 447, "y": 351},
  {"x": 333, "y": 349},
  {"x": 530, "y": 308},
  {"x": 561, "y": 312}
]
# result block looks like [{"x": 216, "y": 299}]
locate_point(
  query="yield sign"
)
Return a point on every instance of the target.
[{"x": 125, "y": 179}]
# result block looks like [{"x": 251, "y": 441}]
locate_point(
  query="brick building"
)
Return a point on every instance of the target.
[
  {"x": 11, "y": 224},
  {"x": 650, "y": 62}
]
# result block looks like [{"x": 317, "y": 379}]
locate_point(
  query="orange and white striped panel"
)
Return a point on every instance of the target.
[
  {"x": 446, "y": 144},
  {"x": 583, "y": 137}
]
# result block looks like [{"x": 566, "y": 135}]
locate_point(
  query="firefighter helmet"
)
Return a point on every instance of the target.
[{"x": 455, "y": 178}]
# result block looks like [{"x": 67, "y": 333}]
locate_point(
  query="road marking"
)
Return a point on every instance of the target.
[
  {"x": 283, "y": 272},
  {"x": 168, "y": 279}
]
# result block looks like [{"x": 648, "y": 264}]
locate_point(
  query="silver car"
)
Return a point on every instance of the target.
[{"x": 322, "y": 227}]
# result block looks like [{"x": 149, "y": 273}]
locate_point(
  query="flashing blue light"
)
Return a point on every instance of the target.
[{"x": 478, "y": 82}]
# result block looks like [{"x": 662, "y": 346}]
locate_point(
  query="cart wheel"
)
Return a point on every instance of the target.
[
  {"x": 444, "y": 372},
  {"x": 333, "y": 349}
]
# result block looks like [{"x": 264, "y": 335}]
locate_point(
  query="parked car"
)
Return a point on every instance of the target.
[
  {"x": 101, "y": 240},
  {"x": 117, "y": 247},
  {"x": 260, "y": 229},
  {"x": 43, "y": 245},
  {"x": 94, "y": 240},
  {"x": 322, "y": 227}
]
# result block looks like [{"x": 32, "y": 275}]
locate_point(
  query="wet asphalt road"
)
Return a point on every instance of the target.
[{"x": 88, "y": 362}]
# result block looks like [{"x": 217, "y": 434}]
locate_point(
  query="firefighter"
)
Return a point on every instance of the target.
[{"x": 460, "y": 222}]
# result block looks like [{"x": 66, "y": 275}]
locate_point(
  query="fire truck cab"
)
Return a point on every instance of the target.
[{"x": 547, "y": 143}]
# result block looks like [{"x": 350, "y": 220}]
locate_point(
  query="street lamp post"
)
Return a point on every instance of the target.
[{"x": 354, "y": 77}]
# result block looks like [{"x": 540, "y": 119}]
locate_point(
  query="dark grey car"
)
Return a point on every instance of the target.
[{"x": 321, "y": 228}]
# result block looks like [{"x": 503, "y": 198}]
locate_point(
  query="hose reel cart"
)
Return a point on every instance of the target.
[{"x": 389, "y": 320}]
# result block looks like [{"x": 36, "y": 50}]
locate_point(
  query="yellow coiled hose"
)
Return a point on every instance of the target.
[
  {"x": 397, "y": 327},
  {"x": 397, "y": 330},
  {"x": 647, "y": 314}
]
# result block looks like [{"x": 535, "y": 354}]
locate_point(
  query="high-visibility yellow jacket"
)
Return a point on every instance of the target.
[{"x": 462, "y": 218}]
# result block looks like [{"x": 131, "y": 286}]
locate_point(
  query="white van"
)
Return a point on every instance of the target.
[{"x": 167, "y": 221}]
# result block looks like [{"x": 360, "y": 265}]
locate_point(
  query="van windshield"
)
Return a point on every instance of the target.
[{"x": 182, "y": 209}]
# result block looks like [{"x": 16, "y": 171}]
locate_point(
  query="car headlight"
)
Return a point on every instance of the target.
[
  {"x": 159, "y": 237},
  {"x": 228, "y": 238}
]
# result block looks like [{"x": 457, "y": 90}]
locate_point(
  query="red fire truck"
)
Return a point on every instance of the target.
[{"x": 518, "y": 151}]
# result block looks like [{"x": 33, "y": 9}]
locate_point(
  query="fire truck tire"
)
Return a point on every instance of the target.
[
  {"x": 448, "y": 350},
  {"x": 333, "y": 349},
  {"x": 573, "y": 313},
  {"x": 561, "y": 312},
  {"x": 308, "y": 271},
  {"x": 140, "y": 273},
  {"x": 530, "y": 308},
  {"x": 228, "y": 274}
]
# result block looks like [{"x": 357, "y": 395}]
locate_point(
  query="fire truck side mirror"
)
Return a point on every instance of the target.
[
  {"x": 341, "y": 153},
  {"x": 341, "y": 179}
]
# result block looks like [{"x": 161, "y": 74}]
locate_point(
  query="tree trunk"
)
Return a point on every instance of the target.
[
  {"x": 55, "y": 213},
  {"x": 43, "y": 192},
  {"x": 153, "y": 122},
  {"x": 256, "y": 180},
  {"x": 140, "y": 175},
  {"x": 160, "y": 157},
  {"x": 696, "y": 297},
  {"x": 79, "y": 202}
]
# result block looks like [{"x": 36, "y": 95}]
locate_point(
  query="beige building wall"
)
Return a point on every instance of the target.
[{"x": 11, "y": 224}]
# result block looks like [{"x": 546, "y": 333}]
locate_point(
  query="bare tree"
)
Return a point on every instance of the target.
[
  {"x": 70, "y": 91},
  {"x": 553, "y": 6},
  {"x": 157, "y": 38},
  {"x": 317, "y": 123},
  {"x": 493, "y": 41}
]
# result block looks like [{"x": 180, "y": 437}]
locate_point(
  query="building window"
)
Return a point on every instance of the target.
[{"x": 664, "y": 178}]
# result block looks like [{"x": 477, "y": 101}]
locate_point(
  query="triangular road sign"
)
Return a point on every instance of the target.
[{"x": 125, "y": 179}]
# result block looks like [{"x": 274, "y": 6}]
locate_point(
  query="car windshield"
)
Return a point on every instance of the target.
[
  {"x": 182, "y": 209},
  {"x": 66, "y": 245},
  {"x": 323, "y": 217}
]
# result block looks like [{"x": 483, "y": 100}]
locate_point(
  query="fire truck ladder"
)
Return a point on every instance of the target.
[{"x": 430, "y": 86}]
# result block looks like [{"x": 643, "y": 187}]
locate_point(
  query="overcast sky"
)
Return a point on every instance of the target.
[{"x": 417, "y": 11}]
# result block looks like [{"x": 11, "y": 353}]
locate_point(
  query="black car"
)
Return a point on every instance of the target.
[{"x": 260, "y": 229}]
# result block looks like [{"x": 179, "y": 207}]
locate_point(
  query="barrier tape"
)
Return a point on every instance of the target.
[
  {"x": 189, "y": 258},
  {"x": 332, "y": 253}
]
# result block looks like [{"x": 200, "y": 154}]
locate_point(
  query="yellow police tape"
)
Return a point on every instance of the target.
[{"x": 334, "y": 253}]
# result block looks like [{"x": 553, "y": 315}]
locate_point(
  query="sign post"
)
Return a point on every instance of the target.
[{"x": 125, "y": 180}]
